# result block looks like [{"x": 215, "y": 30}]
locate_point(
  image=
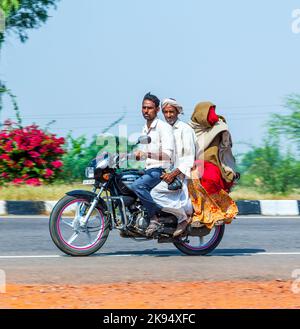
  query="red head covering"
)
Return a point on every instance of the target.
[{"x": 212, "y": 118}]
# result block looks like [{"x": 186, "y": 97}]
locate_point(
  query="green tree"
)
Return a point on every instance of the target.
[
  {"x": 79, "y": 153},
  {"x": 288, "y": 125},
  {"x": 8, "y": 6},
  {"x": 20, "y": 17},
  {"x": 269, "y": 169},
  {"x": 23, "y": 15}
]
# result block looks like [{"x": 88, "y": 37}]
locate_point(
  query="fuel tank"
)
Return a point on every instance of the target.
[{"x": 125, "y": 180}]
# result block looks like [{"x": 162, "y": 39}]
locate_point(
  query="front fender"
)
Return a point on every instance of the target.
[{"x": 87, "y": 195}]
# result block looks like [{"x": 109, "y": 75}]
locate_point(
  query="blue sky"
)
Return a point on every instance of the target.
[{"x": 95, "y": 59}]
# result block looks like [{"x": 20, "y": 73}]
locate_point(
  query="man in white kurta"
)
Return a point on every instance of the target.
[
  {"x": 177, "y": 202},
  {"x": 158, "y": 155}
]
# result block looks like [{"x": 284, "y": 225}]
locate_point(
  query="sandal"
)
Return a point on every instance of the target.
[
  {"x": 153, "y": 227},
  {"x": 180, "y": 228}
]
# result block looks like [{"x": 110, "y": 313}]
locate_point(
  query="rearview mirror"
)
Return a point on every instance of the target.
[{"x": 144, "y": 139}]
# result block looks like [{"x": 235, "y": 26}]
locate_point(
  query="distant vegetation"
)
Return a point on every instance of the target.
[
  {"x": 41, "y": 157},
  {"x": 272, "y": 167},
  {"x": 266, "y": 168}
]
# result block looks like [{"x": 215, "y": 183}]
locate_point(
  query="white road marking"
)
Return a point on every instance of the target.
[
  {"x": 30, "y": 256},
  {"x": 266, "y": 217},
  {"x": 277, "y": 253},
  {"x": 255, "y": 254},
  {"x": 149, "y": 255}
]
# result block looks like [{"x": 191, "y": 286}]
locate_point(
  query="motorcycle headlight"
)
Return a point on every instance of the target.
[{"x": 89, "y": 172}]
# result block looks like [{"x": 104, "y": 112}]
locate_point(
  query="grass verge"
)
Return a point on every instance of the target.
[
  {"x": 39, "y": 193},
  {"x": 57, "y": 191}
]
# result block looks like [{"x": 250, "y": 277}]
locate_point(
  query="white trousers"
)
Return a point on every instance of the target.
[{"x": 177, "y": 202}]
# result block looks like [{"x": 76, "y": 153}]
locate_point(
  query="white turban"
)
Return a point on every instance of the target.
[{"x": 173, "y": 102}]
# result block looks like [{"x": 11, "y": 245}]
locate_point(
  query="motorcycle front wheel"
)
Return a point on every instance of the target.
[
  {"x": 200, "y": 246},
  {"x": 65, "y": 230}
]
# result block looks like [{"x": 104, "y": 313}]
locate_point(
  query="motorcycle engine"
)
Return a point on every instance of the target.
[
  {"x": 141, "y": 222},
  {"x": 138, "y": 217}
]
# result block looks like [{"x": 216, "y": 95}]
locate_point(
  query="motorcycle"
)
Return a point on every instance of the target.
[{"x": 81, "y": 221}]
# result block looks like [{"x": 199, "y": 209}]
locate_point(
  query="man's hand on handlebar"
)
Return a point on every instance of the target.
[{"x": 140, "y": 155}]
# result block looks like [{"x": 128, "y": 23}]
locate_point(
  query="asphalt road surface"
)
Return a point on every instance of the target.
[{"x": 253, "y": 248}]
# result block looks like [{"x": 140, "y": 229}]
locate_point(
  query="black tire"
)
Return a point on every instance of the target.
[
  {"x": 54, "y": 216},
  {"x": 210, "y": 246}
]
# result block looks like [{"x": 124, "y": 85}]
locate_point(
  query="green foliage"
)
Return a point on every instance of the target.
[
  {"x": 74, "y": 159},
  {"x": 23, "y": 15},
  {"x": 288, "y": 125},
  {"x": 79, "y": 153},
  {"x": 267, "y": 167},
  {"x": 8, "y": 6},
  {"x": 270, "y": 170},
  {"x": 13, "y": 98}
]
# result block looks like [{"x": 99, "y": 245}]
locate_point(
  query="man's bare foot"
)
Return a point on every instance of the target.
[
  {"x": 153, "y": 227},
  {"x": 181, "y": 227}
]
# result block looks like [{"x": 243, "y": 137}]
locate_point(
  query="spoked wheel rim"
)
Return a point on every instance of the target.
[
  {"x": 197, "y": 243},
  {"x": 70, "y": 233}
]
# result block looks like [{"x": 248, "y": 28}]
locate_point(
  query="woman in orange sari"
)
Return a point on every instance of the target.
[{"x": 214, "y": 171}]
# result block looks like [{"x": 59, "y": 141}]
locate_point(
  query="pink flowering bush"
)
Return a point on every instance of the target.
[{"x": 29, "y": 155}]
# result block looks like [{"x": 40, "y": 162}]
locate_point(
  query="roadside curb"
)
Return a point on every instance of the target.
[{"x": 246, "y": 207}]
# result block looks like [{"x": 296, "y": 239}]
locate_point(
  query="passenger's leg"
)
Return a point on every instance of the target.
[{"x": 144, "y": 185}]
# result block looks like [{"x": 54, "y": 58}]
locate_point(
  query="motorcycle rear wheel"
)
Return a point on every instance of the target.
[
  {"x": 67, "y": 207},
  {"x": 202, "y": 248}
]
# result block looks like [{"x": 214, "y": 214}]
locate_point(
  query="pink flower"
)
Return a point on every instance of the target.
[
  {"x": 40, "y": 161},
  {"x": 43, "y": 150},
  {"x": 34, "y": 154},
  {"x": 35, "y": 141},
  {"x": 8, "y": 147},
  {"x": 28, "y": 163},
  {"x": 5, "y": 157},
  {"x": 4, "y": 135},
  {"x": 17, "y": 181},
  {"x": 57, "y": 164},
  {"x": 23, "y": 148},
  {"x": 33, "y": 182},
  {"x": 58, "y": 150},
  {"x": 48, "y": 173},
  {"x": 22, "y": 142}
]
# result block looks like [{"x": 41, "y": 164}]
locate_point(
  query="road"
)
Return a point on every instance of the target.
[{"x": 253, "y": 248}]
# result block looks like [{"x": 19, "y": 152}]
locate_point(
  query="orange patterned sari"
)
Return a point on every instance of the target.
[{"x": 208, "y": 209}]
